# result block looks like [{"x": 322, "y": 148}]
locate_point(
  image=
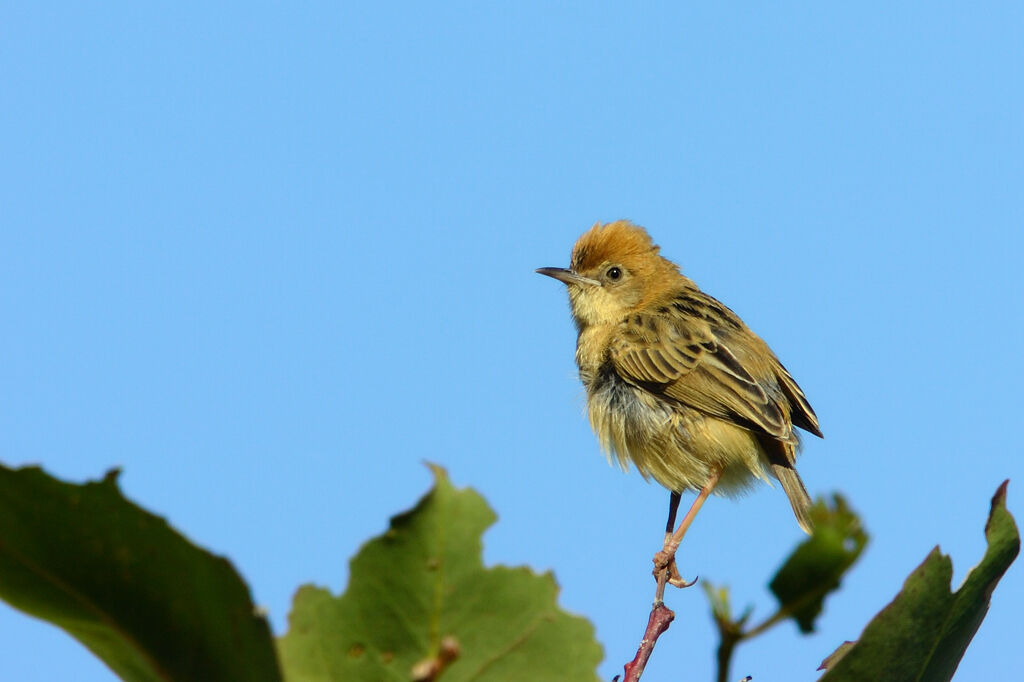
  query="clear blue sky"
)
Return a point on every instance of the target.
[{"x": 269, "y": 258}]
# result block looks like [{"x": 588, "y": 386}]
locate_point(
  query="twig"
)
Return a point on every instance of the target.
[
  {"x": 661, "y": 617},
  {"x": 665, "y": 572}
]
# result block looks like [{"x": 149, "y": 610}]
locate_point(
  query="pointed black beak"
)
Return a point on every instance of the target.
[{"x": 566, "y": 276}]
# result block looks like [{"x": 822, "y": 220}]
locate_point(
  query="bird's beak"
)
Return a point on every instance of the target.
[{"x": 567, "y": 276}]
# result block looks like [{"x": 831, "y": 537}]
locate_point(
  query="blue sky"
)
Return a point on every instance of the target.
[{"x": 270, "y": 258}]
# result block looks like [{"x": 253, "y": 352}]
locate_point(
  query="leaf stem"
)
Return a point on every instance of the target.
[{"x": 724, "y": 655}]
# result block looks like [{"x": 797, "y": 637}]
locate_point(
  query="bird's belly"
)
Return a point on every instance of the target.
[{"x": 676, "y": 445}]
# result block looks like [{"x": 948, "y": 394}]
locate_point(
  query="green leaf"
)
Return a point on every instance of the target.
[
  {"x": 140, "y": 596},
  {"x": 923, "y": 633},
  {"x": 721, "y": 608},
  {"x": 419, "y": 596},
  {"x": 816, "y": 566}
]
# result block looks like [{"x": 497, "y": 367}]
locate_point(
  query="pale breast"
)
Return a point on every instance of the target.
[{"x": 675, "y": 445}]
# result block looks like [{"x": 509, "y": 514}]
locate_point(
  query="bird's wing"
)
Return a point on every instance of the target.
[
  {"x": 803, "y": 413},
  {"x": 651, "y": 349},
  {"x": 688, "y": 350}
]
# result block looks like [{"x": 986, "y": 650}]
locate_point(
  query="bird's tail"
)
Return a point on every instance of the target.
[{"x": 797, "y": 494}]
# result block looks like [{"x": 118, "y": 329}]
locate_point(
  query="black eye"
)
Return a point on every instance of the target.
[{"x": 614, "y": 273}]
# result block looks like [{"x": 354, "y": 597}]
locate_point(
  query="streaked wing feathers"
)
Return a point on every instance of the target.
[
  {"x": 803, "y": 413},
  {"x": 653, "y": 350},
  {"x": 684, "y": 357}
]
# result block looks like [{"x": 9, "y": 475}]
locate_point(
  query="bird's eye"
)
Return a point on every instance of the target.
[{"x": 614, "y": 273}]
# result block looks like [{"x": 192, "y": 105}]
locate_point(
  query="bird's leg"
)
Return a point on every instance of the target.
[
  {"x": 673, "y": 572},
  {"x": 665, "y": 559},
  {"x": 673, "y": 507}
]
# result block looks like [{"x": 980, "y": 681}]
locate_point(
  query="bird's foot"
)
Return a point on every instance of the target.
[{"x": 664, "y": 561}]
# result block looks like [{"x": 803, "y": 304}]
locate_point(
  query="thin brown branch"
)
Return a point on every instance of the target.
[
  {"x": 661, "y": 617},
  {"x": 665, "y": 572}
]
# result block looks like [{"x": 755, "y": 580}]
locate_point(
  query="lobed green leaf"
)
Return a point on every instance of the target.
[{"x": 421, "y": 605}]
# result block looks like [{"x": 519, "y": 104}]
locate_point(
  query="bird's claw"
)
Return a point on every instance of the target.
[
  {"x": 678, "y": 581},
  {"x": 663, "y": 561}
]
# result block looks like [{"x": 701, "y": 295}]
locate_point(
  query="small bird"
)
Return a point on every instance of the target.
[{"x": 676, "y": 383}]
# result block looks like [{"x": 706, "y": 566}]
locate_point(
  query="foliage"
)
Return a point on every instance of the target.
[
  {"x": 923, "y": 633},
  {"x": 421, "y": 588},
  {"x": 153, "y": 606},
  {"x": 140, "y": 596},
  {"x": 816, "y": 566},
  {"x": 420, "y": 605},
  {"x": 811, "y": 572}
]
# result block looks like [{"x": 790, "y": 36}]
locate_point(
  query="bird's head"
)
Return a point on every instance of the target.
[{"x": 615, "y": 269}]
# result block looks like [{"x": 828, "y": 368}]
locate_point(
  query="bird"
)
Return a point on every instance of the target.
[{"x": 676, "y": 384}]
